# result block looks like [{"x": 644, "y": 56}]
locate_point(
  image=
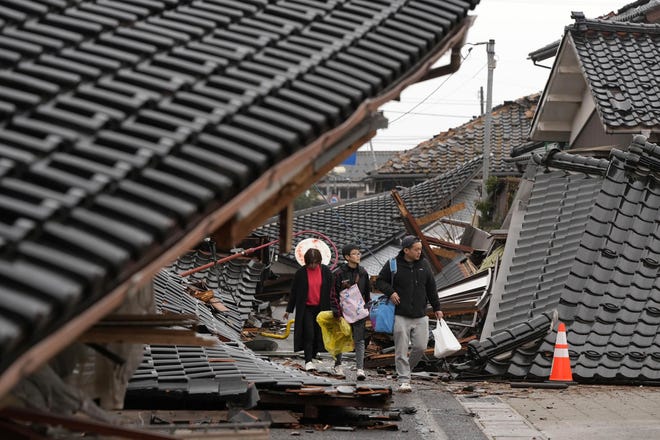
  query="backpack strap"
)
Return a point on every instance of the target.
[{"x": 392, "y": 270}]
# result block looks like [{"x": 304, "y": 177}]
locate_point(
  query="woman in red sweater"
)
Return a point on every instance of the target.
[{"x": 310, "y": 294}]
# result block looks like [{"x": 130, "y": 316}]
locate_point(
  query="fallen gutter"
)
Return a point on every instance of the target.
[{"x": 270, "y": 182}]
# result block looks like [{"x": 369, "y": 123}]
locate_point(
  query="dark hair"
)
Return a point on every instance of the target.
[
  {"x": 313, "y": 255},
  {"x": 408, "y": 241},
  {"x": 346, "y": 250}
]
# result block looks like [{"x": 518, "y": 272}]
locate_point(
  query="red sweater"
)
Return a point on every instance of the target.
[{"x": 314, "y": 290}]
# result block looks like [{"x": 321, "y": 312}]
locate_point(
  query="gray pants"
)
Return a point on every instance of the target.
[
  {"x": 358, "y": 331},
  {"x": 413, "y": 332}
]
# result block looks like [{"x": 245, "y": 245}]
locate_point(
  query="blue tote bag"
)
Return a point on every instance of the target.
[{"x": 381, "y": 314}]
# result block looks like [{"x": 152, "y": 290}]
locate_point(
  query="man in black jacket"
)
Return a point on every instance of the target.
[{"x": 409, "y": 288}]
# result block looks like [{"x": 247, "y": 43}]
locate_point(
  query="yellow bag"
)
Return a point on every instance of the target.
[{"x": 337, "y": 335}]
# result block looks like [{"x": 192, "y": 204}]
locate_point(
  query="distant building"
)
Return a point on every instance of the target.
[
  {"x": 449, "y": 149},
  {"x": 347, "y": 181}
]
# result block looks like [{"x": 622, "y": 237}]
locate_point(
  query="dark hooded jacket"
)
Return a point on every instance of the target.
[
  {"x": 298, "y": 298},
  {"x": 415, "y": 284},
  {"x": 345, "y": 276}
]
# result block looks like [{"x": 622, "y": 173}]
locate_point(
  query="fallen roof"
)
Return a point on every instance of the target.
[
  {"x": 510, "y": 126},
  {"x": 130, "y": 131},
  {"x": 373, "y": 222},
  {"x": 589, "y": 248}
]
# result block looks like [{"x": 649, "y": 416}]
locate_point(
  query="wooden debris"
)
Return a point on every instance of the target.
[{"x": 153, "y": 335}]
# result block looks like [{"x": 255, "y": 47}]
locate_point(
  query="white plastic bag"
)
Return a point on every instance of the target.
[{"x": 445, "y": 341}]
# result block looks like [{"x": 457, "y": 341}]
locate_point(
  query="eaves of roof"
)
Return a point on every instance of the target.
[{"x": 606, "y": 68}]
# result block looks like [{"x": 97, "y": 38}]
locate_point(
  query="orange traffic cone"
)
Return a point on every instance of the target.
[{"x": 561, "y": 363}]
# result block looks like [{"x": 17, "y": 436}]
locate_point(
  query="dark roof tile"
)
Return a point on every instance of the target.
[
  {"x": 614, "y": 58},
  {"x": 123, "y": 123},
  {"x": 511, "y": 122}
]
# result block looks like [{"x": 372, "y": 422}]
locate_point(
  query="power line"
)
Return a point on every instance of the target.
[
  {"x": 428, "y": 114},
  {"x": 430, "y": 94}
]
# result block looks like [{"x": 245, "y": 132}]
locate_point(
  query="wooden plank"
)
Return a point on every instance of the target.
[
  {"x": 133, "y": 335},
  {"x": 439, "y": 252},
  {"x": 425, "y": 220},
  {"x": 156, "y": 319},
  {"x": 78, "y": 424},
  {"x": 413, "y": 227},
  {"x": 336, "y": 400}
]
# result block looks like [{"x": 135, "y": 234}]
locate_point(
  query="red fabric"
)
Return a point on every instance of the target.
[{"x": 314, "y": 280}]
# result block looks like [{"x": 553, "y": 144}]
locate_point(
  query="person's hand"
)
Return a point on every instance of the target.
[
  {"x": 285, "y": 316},
  {"x": 396, "y": 300},
  {"x": 439, "y": 315}
]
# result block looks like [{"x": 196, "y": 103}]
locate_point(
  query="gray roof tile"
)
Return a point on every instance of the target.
[
  {"x": 374, "y": 222},
  {"x": 132, "y": 121},
  {"x": 608, "y": 296},
  {"x": 619, "y": 62},
  {"x": 511, "y": 123}
]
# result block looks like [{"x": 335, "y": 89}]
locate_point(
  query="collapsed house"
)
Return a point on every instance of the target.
[
  {"x": 581, "y": 244},
  {"x": 580, "y": 236},
  {"x": 130, "y": 131},
  {"x": 585, "y": 249}
]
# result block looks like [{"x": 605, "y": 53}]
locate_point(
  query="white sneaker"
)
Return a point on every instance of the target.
[
  {"x": 405, "y": 387},
  {"x": 360, "y": 374},
  {"x": 338, "y": 371},
  {"x": 309, "y": 366}
]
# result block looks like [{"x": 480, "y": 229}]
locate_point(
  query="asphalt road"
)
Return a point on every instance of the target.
[{"x": 429, "y": 412}]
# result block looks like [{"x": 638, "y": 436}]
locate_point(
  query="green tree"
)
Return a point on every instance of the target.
[{"x": 307, "y": 199}]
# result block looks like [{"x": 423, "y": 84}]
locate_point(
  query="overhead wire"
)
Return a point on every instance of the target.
[{"x": 430, "y": 94}]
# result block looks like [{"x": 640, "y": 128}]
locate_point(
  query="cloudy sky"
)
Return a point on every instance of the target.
[{"x": 518, "y": 28}]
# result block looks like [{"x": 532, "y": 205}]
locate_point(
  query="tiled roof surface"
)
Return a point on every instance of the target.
[
  {"x": 600, "y": 273},
  {"x": 124, "y": 124},
  {"x": 178, "y": 373},
  {"x": 373, "y": 262},
  {"x": 620, "y": 63},
  {"x": 510, "y": 126},
  {"x": 374, "y": 222},
  {"x": 611, "y": 299},
  {"x": 451, "y": 232},
  {"x": 451, "y": 273},
  {"x": 557, "y": 212},
  {"x": 234, "y": 284}
]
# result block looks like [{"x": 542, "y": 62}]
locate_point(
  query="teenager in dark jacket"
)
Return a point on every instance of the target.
[
  {"x": 310, "y": 294},
  {"x": 410, "y": 289},
  {"x": 345, "y": 276}
]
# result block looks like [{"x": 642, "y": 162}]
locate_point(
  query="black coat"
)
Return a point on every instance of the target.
[
  {"x": 415, "y": 284},
  {"x": 298, "y": 298}
]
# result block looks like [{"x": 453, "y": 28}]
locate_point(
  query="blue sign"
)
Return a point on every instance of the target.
[{"x": 350, "y": 160}]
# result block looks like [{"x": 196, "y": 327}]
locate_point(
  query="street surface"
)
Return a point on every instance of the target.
[{"x": 461, "y": 410}]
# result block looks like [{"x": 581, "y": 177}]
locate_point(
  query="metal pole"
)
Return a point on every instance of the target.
[{"x": 490, "y": 50}]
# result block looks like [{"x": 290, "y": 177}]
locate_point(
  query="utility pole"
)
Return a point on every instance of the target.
[
  {"x": 490, "y": 50},
  {"x": 481, "y": 100}
]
